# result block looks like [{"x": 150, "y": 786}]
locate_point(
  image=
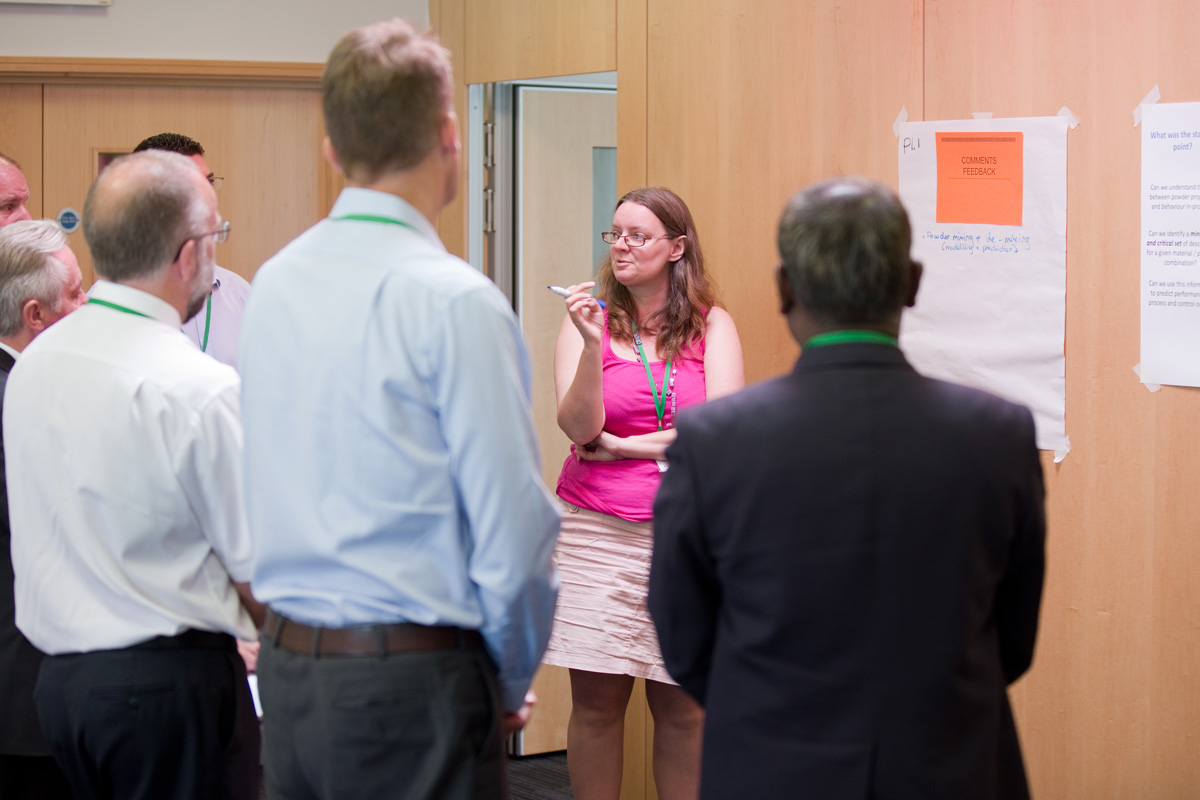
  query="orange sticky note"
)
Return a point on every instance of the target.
[{"x": 980, "y": 177}]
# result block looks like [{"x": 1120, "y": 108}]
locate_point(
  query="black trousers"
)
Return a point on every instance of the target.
[
  {"x": 417, "y": 726},
  {"x": 32, "y": 778},
  {"x": 167, "y": 722}
]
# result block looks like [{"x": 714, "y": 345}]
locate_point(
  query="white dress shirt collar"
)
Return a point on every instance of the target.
[
  {"x": 137, "y": 301},
  {"x": 382, "y": 204},
  {"x": 11, "y": 351}
]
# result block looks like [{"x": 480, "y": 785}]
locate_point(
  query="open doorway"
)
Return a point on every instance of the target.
[{"x": 542, "y": 184}]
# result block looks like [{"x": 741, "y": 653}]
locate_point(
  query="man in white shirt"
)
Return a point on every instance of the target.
[
  {"x": 40, "y": 283},
  {"x": 403, "y": 536},
  {"x": 215, "y": 328},
  {"x": 129, "y": 539}
]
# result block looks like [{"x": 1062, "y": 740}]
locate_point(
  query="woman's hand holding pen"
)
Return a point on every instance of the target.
[{"x": 585, "y": 312}]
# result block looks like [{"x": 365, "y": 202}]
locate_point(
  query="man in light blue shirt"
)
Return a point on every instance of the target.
[{"x": 403, "y": 535}]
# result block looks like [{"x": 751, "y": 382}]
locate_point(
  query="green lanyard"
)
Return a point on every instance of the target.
[
  {"x": 660, "y": 399},
  {"x": 207, "y": 319},
  {"x": 107, "y": 304},
  {"x": 374, "y": 218},
  {"x": 207, "y": 315},
  {"x": 849, "y": 337}
]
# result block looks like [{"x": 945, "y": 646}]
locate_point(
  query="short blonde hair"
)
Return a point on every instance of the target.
[{"x": 385, "y": 91}]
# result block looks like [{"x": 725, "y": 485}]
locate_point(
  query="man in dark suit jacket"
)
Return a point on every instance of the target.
[
  {"x": 848, "y": 559},
  {"x": 40, "y": 283}
]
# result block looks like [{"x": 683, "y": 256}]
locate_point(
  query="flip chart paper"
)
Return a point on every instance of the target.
[{"x": 991, "y": 311}]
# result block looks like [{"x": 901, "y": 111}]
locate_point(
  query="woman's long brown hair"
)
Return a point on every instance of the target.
[{"x": 679, "y": 324}]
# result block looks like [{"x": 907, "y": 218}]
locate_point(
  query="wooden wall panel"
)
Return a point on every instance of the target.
[
  {"x": 637, "y": 769},
  {"x": 546, "y": 731},
  {"x": 446, "y": 18},
  {"x": 521, "y": 39},
  {"x": 265, "y": 142},
  {"x": 21, "y": 136},
  {"x": 749, "y": 101},
  {"x": 632, "y": 83},
  {"x": 1110, "y": 708}
]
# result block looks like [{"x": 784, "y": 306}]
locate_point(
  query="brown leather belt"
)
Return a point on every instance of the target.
[{"x": 365, "y": 640}]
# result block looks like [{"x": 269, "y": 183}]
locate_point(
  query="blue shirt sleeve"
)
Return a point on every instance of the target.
[{"x": 482, "y": 391}]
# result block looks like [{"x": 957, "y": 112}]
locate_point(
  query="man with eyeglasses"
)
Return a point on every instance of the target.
[
  {"x": 215, "y": 329},
  {"x": 129, "y": 540}
]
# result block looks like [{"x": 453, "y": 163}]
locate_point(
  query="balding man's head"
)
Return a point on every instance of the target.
[
  {"x": 140, "y": 211},
  {"x": 14, "y": 192},
  {"x": 845, "y": 245}
]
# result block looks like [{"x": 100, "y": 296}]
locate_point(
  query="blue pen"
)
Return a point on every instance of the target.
[{"x": 561, "y": 292}]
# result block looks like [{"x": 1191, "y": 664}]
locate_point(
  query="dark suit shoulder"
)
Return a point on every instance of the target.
[
  {"x": 969, "y": 396},
  {"x": 971, "y": 408},
  {"x": 830, "y": 406},
  {"x": 728, "y": 409},
  {"x": 961, "y": 404}
]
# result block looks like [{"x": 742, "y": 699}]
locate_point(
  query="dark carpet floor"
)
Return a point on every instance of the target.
[{"x": 541, "y": 777}]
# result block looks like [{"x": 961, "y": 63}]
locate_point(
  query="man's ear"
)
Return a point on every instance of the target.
[
  {"x": 915, "y": 270},
  {"x": 188, "y": 261},
  {"x": 448, "y": 138},
  {"x": 331, "y": 156},
  {"x": 33, "y": 315},
  {"x": 787, "y": 297}
]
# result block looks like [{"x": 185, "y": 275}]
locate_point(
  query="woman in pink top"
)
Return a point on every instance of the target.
[{"x": 621, "y": 374}]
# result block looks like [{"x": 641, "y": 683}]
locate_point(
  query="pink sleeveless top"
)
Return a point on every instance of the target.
[{"x": 626, "y": 488}]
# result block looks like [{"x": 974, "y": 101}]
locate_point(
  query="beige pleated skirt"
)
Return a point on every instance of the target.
[{"x": 601, "y": 623}]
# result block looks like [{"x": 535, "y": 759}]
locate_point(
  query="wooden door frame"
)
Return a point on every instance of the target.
[
  {"x": 174, "y": 72},
  {"x": 158, "y": 72}
]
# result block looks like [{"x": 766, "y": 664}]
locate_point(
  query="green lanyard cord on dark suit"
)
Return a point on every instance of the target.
[{"x": 848, "y": 337}]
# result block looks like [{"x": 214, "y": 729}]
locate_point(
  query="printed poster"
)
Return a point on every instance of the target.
[{"x": 1170, "y": 301}]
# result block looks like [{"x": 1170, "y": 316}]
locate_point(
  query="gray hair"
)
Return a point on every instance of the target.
[
  {"x": 845, "y": 247},
  {"x": 138, "y": 213},
  {"x": 29, "y": 270}
]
